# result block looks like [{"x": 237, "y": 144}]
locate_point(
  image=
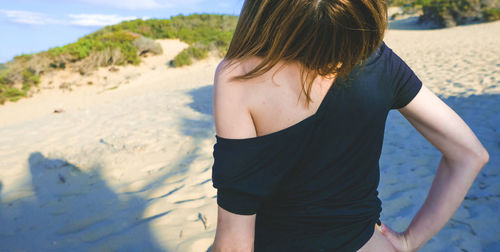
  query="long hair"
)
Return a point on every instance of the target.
[{"x": 327, "y": 37}]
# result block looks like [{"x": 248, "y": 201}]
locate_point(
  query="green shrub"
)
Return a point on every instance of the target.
[
  {"x": 399, "y": 3},
  {"x": 446, "y": 13},
  {"x": 23, "y": 57},
  {"x": 129, "y": 53},
  {"x": 26, "y": 87},
  {"x": 29, "y": 79},
  {"x": 13, "y": 94},
  {"x": 197, "y": 52},
  {"x": 97, "y": 41},
  {"x": 182, "y": 59},
  {"x": 4, "y": 77},
  {"x": 491, "y": 14},
  {"x": 185, "y": 57}
]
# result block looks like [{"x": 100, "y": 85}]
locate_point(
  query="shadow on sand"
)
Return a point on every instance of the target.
[
  {"x": 411, "y": 23},
  {"x": 71, "y": 210}
]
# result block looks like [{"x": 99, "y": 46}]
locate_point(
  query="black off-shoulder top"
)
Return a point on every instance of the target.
[{"x": 313, "y": 185}]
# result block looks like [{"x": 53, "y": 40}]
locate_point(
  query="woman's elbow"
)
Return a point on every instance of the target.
[
  {"x": 484, "y": 157},
  {"x": 481, "y": 157},
  {"x": 474, "y": 159}
]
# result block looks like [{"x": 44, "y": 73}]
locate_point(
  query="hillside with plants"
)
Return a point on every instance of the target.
[
  {"x": 449, "y": 13},
  {"x": 119, "y": 44},
  {"x": 126, "y": 42}
]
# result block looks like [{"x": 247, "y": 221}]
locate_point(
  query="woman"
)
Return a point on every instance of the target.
[{"x": 295, "y": 177}]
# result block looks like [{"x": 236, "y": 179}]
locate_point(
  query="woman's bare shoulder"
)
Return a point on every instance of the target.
[
  {"x": 229, "y": 68},
  {"x": 223, "y": 79},
  {"x": 230, "y": 103}
]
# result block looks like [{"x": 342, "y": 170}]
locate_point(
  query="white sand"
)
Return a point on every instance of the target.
[{"x": 129, "y": 168}]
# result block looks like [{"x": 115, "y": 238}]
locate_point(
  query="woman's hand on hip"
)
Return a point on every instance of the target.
[{"x": 399, "y": 240}]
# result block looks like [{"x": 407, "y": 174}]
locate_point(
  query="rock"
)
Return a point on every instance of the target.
[{"x": 113, "y": 69}]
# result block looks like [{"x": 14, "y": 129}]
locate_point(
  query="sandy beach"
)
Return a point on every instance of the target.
[{"x": 122, "y": 162}]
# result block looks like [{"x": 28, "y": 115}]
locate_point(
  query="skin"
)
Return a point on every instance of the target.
[{"x": 261, "y": 106}]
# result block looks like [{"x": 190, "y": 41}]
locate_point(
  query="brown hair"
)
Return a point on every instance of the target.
[{"x": 325, "y": 36}]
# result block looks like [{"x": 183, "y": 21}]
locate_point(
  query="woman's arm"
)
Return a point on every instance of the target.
[
  {"x": 463, "y": 158},
  {"x": 234, "y": 232}
]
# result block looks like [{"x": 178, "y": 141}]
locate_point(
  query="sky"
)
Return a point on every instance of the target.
[{"x": 30, "y": 26}]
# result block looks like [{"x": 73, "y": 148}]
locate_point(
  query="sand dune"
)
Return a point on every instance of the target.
[{"x": 126, "y": 165}]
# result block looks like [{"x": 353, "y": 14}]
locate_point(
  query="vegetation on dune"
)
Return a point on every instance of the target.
[
  {"x": 185, "y": 57},
  {"x": 203, "y": 32},
  {"x": 448, "y": 13},
  {"x": 126, "y": 42},
  {"x": 99, "y": 42},
  {"x": 491, "y": 14},
  {"x": 29, "y": 79},
  {"x": 120, "y": 44}
]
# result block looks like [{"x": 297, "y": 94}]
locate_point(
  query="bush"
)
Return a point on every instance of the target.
[
  {"x": 185, "y": 57},
  {"x": 23, "y": 57},
  {"x": 182, "y": 59},
  {"x": 97, "y": 41},
  {"x": 4, "y": 77},
  {"x": 399, "y": 2},
  {"x": 447, "y": 13},
  {"x": 491, "y": 14},
  {"x": 145, "y": 45},
  {"x": 129, "y": 55},
  {"x": 29, "y": 79},
  {"x": 13, "y": 94}
]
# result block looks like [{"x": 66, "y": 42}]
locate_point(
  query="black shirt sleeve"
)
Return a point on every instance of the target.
[
  {"x": 405, "y": 83},
  {"x": 237, "y": 201},
  {"x": 246, "y": 173}
]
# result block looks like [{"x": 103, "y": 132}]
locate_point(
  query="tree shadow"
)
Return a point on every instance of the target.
[
  {"x": 411, "y": 23},
  {"x": 202, "y": 99},
  {"x": 201, "y": 129},
  {"x": 73, "y": 210}
]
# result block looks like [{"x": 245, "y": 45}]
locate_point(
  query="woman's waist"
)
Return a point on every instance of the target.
[
  {"x": 309, "y": 230},
  {"x": 355, "y": 210},
  {"x": 317, "y": 219}
]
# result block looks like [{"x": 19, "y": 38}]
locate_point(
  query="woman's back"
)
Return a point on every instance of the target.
[{"x": 312, "y": 182}]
